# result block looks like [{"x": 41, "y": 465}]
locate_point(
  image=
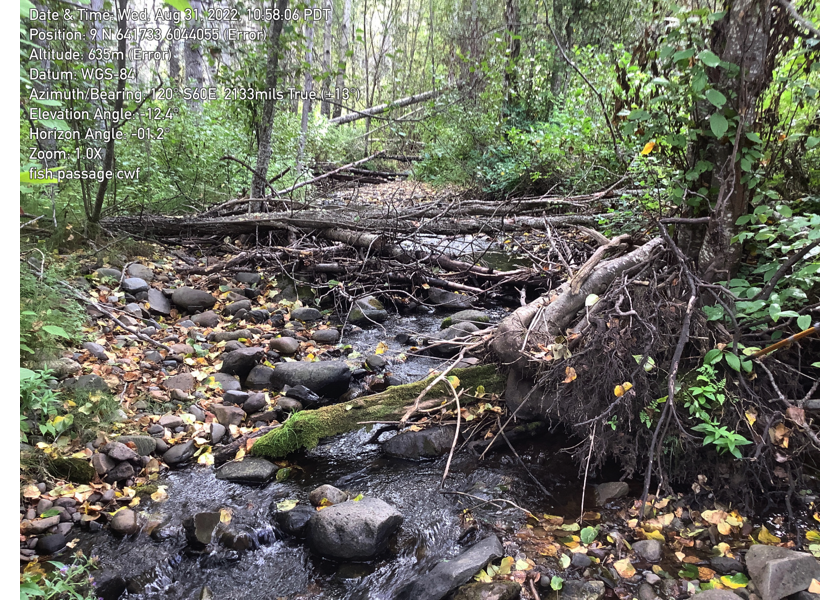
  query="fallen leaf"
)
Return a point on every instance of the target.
[
  {"x": 225, "y": 515},
  {"x": 571, "y": 375},
  {"x": 624, "y": 568},
  {"x": 797, "y": 415},
  {"x": 714, "y": 516},
  {"x": 648, "y": 148},
  {"x": 765, "y": 537},
  {"x": 738, "y": 580},
  {"x": 706, "y": 574},
  {"x": 814, "y": 588}
]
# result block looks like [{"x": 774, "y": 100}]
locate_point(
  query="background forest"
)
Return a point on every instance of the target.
[{"x": 697, "y": 121}]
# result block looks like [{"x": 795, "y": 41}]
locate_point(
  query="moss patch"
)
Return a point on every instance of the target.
[{"x": 304, "y": 429}]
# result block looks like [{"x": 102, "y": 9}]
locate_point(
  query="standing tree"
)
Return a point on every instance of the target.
[{"x": 266, "y": 126}]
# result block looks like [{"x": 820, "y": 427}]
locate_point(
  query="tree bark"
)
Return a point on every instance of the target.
[
  {"x": 343, "y": 48},
  {"x": 260, "y": 181},
  {"x": 309, "y": 34},
  {"x": 381, "y": 108},
  {"x": 193, "y": 59},
  {"x": 327, "y": 62}
]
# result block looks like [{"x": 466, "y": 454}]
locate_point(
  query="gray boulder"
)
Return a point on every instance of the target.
[
  {"x": 326, "y": 336},
  {"x": 199, "y": 528},
  {"x": 234, "y": 307},
  {"x": 353, "y": 530},
  {"x": 192, "y": 300},
  {"x": 144, "y": 445},
  {"x": 114, "y": 274},
  {"x": 306, "y": 314},
  {"x": 182, "y": 381},
  {"x": 583, "y": 590},
  {"x": 95, "y": 350},
  {"x": 179, "y": 454},
  {"x": 229, "y": 336},
  {"x": 327, "y": 378},
  {"x": 254, "y": 403},
  {"x": 259, "y": 378},
  {"x": 247, "y": 278},
  {"x": 134, "y": 285},
  {"x": 287, "y": 346},
  {"x": 446, "y": 576},
  {"x": 158, "y": 303},
  {"x": 240, "y": 362},
  {"x": 293, "y": 522},
  {"x": 365, "y": 310},
  {"x": 327, "y": 495},
  {"x": 613, "y": 489},
  {"x": 141, "y": 271},
  {"x": 248, "y": 470},
  {"x": 449, "y": 300},
  {"x": 461, "y": 330},
  {"x": 228, "y": 415},
  {"x": 206, "y": 319},
  {"x": 650, "y": 550},
  {"x": 779, "y": 572},
  {"x": 228, "y": 383},
  {"x": 476, "y": 317},
  {"x": 427, "y": 443},
  {"x": 125, "y": 522}
]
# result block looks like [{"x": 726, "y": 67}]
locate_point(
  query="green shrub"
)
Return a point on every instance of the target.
[{"x": 63, "y": 582}]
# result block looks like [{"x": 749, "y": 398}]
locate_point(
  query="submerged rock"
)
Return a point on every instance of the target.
[
  {"x": 365, "y": 310},
  {"x": 293, "y": 522},
  {"x": 199, "y": 528},
  {"x": 427, "y": 443},
  {"x": 248, "y": 470}
]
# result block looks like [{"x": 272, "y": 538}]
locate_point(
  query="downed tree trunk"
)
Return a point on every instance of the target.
[
  {"x": 305, "y": 428},
  {"x": 510, "y": 339},
  {"x": 378, "y": 110}
]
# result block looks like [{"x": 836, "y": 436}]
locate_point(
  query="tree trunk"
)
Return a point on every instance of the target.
[
  {"x": 514, "y": 45},
  {"x": 193, "y": 59},
  {"x": 175, "y": 47},
  {"x": 309, "y": 34},
  {"x": 327, "y": 66},
  {"x": 743, "y": 41},
  {"x": 381, "y": 108},
  {"x": 95, "y": 214},
  {"x": 343, "y": 47},
  {"x": 259, "y": 181}
]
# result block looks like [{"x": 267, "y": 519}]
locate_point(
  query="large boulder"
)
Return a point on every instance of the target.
[
  {"x": 427, "y": 443},
  {"x": 240, "y": 362},
  {"x": 461, "y": 330},
  {"x": 449, "y": 300},
  {"x": 476, "y": 317},
  {"x": 179, "y": 454},
  {"x": 125, "y": 522},
  {"x": 612, "y": 489},
  {"x": 286, "y": 346},
  {"x": 446, "y": 576},
  {"x": 294, "y": 521},
  {"x": 259, "y": 378},
  {"x": 141, "y": 271},
  {"x": 365, "y": 310},
  {"x": 158, "y": 303},
  {"x": 327, "y": 495},
  {"x": 779, "y": 572},
  {"x": 182, "y": 381},
  {"x": 248, "y": 470},
  {"x": 134, "y": 285},
  {"x": 144, "y": 445},
  {"x": 192, "y": 300},
  {"x": 327, "y": 378},
  {"x": 353, "y": 530},
  {"x": 227, "y": 415}
]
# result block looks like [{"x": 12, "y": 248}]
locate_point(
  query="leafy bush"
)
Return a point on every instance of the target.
[
  {"x": 65, "y": 581},
  {"x": 47, "y": 319}
]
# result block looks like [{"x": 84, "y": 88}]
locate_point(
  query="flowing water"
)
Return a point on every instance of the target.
[{"x": 145, "y": 567}]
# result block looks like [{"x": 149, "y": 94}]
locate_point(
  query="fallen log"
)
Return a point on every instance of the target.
[
  {"x": 381, "y": 108},
  {"x": 304, "y": 429}
]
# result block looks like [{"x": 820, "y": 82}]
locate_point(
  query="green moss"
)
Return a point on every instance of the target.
[
  {"x": 306, "y": 428},
  {"x": 148, "y": 488}
]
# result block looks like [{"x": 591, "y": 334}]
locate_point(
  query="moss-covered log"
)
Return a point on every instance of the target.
[{"x": 305, "y": 428}]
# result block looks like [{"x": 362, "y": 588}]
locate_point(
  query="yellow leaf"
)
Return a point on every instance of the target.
[
  {"x": 571, "y": 375},
  {"x": 624, "y": 568},
  {"x": 714, "y": 516},
  {"x": 648, "y": 148},
  {"x": 620, "y": 390},
  {"x": 31, "y": 492},
  {"x": 507, "y": 563},
  {"x": 240, "y": 454},
  {"x": 751, "y": 415},
  {"x": 814, "y": 588},
  {"x": 765, "y": 537},
  {"x": 724, "y": 528},
  {"x": 734, "y": 582},
  {"x": 134, "y": 502},
  {"x": 206, "y": 459},
  {"x": 483, "y": 577},
  {"x": 225, "y": 515},
  {"x": 160, "y": 495},
  {"x": 454, "y": 381},
  {"x": 654, "y": 535},
  {"x": 381, "y": 347}
]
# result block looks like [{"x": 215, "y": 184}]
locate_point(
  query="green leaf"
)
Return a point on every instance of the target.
[
  {"x": 804, "y": 322},
  {"x": 738, "y": 580},
  {"x": 713, "y": 356},
  {"x": 709, "y": 58},
  {"x": 719, "y": 124},
  {"x": 50, "y": 513},
  {"x": 690, "y": 571},
  {"x": 565, "y": 561},
  {"x": 56, "y": 330},
  {"x": 181, "y": 5},
  {"x": 588, "y": 535},
  {"x": 716, "y": 98},
  {"x": 639, "y": 115},
  {"x": 357, "y": 498},
  {"x": 683, "y": 54},
  {"x": 556, "y": 583},
  {"x": 733, "y": 361},
  {"x": 753, "y": 137},
  {"x": 812, "y": 142}
]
